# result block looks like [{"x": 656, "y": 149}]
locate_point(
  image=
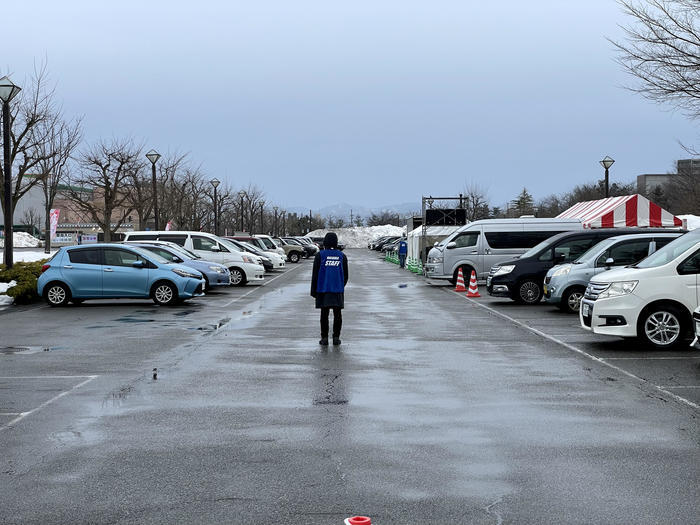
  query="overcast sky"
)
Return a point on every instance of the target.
[{"x": 366, "y": 102}]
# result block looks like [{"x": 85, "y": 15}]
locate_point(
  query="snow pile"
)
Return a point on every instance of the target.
[
  {"x": 22, "y": 240},
  {"x": 6, "y": 299},
  {"x": 693, "y": 221},
  {"x": 28, "y": 255},
  {"x": 360, "y": 236}
]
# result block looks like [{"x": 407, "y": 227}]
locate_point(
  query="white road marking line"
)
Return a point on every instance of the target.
[
  {"x": 7, "y": 414},
  {"x": 680, "y": 386},
  {"x": 235, "y": 299},
  {"x": 579, "y": 351},
  {"x": 650, "y": 358},
  {"x": 46, "y": 403},
  {"x": 46, "y": 377}
]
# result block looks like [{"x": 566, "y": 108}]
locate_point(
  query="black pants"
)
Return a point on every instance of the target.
[
  {"x": 402, "y": 260},
  {"x": 337, "y": 321}
]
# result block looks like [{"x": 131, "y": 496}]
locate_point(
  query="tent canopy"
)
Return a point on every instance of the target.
[
  {"x": 618, "y": 212},
  {"x": 433, "y": 234}
]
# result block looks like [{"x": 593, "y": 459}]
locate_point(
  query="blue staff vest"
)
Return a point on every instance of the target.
[
  {"x": 403, "y": 248},
  {"x": 331, "y": 278}
]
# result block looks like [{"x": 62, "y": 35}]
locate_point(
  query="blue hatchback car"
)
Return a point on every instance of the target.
[{"x": 115, "y": 271}]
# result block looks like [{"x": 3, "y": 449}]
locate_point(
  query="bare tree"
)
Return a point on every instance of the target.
[
  {"x": 32, "y": 217},
  {"x": 106, "y": 169},
  {"x": 663, "y": 51},
  {"x": 475, "y": 202},
  {"x": 33, "y": 120}
]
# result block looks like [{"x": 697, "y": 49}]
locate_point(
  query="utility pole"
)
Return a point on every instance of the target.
[{"x": 351, "y": 222}]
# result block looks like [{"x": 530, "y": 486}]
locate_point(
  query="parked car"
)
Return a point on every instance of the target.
[
  {"x": 115, "y": 271},
  {"x": 308, "y": 245},
  {"x": 652, "y": 300},
  {"x": 244, "y": 267},
  {"x": 522, "y": 279},
  {"x": 214, "y": 274},
  {"x": 565, "y": 284},
  {"x": 696, "y": 322},
  {"x": 294, "y": 252},
  {"x": 391, "y": 246},
  {"x": 379, "y": 245},
  {"x": 482, "y": 244},
  {"x": 308, "y": 250},
  {"x": 271, "y": 260}
]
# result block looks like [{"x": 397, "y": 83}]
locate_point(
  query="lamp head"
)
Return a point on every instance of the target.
[
  {"x": 8, "y": 89},
  {"x": 607, "y": 162},
  {"x": 215, "y": 182},
  {"x": 153, "y": 156}
]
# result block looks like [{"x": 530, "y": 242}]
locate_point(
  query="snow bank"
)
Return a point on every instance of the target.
[
  {"x": 693, "y": 221},
  {"x": 22, "y": 240},
  {"x": 5, "y": 299},
  {"x": 359, "y": 236},
  {"x": 28, "y": 255}
]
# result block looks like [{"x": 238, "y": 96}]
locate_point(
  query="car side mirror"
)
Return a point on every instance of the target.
[
  {"x": 215, "y": 249},
  {"x": 451, "y": 245},
  {"x": 609, "y": 262},
  {"x": 138, "y": 264},
  {"x": 560, "y": 258},
  {"x": 435, "y": 243}
]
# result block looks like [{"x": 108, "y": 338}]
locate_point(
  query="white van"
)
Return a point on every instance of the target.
[
  {"x": 244, "y": 267},
  {"x": 653, "y": 299},
  {"x": 481, "y": 244}
]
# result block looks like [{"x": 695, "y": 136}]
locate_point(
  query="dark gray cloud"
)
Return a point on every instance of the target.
[{"x": 364, "y": 101}]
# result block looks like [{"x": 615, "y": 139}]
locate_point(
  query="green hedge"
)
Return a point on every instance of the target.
[{"x": 25, "y": 274}]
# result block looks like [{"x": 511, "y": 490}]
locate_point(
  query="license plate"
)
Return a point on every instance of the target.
[
  {"x": 586, "y": 309},
  {"x": 488, "y": 281}
]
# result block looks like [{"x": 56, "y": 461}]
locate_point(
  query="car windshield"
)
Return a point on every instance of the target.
[
  {"x": 268, "y": 243},
  {"x": 535, "y": 249},
  {"x": 232, "y": 247},
  {"x": 592, "y": 253},
  {"x": 277, "y": 243},
  {"x": 250, "y": 247},
  {"x": 185, "y": 252},
  {"x": 148, "y": 254},
  {"x": 671, "y": 251}
]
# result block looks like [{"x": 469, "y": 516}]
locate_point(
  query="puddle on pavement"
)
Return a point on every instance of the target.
[
  {"x": 184, "y": 313},
  {"x": 212, "y": 327},
  {"x": 134, "y": 320}
]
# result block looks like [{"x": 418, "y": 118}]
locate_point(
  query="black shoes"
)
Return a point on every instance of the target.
[
  {"x": 336, "y": 341},
  {"x": 324, "y": 341}
]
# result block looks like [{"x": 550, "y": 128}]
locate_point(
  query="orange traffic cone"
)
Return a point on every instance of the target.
[
  {"x": 358, "y": 520},
  {"x": 460, "y": 282},
  {"x": 473, "y": 287}
]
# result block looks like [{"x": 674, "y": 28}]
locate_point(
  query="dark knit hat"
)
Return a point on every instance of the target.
[{"x": 330, "y": 241}]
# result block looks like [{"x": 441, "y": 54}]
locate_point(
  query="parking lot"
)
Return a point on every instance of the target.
[{"x": 435, "y": 408}]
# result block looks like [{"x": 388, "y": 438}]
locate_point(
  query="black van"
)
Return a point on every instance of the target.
[{"x": 522, "y": 279}]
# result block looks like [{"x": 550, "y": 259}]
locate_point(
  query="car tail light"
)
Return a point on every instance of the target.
[{"x": 45, "y": 267}]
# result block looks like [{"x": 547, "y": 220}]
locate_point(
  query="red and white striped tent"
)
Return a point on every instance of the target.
[{"x": 617, "y": 212}]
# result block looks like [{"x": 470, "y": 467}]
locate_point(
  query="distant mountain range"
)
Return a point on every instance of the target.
[{"x": 343, "y": 209}]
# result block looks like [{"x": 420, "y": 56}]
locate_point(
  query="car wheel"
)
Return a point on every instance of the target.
[
  {"x": 294, "y": 257},
  {"x": 662, "y": 327},
  {"x": 529, "y": 292},
  {"x": 164, "y": 294},
  {"x": 57, "y": 294},
  {"x": 237, "y": 277},
  {"x": 571, "y": 300}
]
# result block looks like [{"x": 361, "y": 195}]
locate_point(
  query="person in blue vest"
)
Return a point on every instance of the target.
[
  {"x": 403, "y": 251},
  {"x": 328, "y": 280}
]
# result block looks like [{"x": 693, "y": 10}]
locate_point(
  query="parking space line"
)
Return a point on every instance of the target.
[
  {"x": 7, "y": 414},
  {"x": 651, "y": 358},
  {"x": 47, "y": 377},
  {"x": 681, "y": 386},
  {"x": 288, "y": 272},
  {"x": 22, "y": 415},
  {"x": 577, "y": 350}
]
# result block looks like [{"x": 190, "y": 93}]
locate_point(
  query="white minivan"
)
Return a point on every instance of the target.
[
  {"x": 482, "y": 244},
  {"x": 652, "y": 300},
  {"x": 244, "y": 267}
]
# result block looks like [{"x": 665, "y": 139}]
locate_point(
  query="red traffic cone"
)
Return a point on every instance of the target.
[
  {"x": 358, "y": 520},
  {"x": 473, "y": 287},
  {"x": 460, "y": 282}
]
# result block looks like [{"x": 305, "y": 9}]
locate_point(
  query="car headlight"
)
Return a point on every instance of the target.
[
  {"x": 564, "y": 270},
  {"x": 217, "y": 269},
  {"x": 502, "y": 270},
  {"x": 435, "y": 260},
  {"x": 618, "y": 289},
  {"x": 184, "y": 273},
  {"x": 249, "y": 259}
]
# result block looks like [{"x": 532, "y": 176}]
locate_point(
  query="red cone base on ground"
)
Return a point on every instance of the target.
[
  {"x": 460, "y": 282},
  {"x": 473, "y": 287}
]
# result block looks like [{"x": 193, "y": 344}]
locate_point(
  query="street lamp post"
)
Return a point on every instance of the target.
[
  {"x": 241, "y": 194},
  {"x": 8, "y": 90},
  {"x": 274, "y": 225},
  {"x": 215, "y": 183},
  {"x": 284, "y": 222},
  {"x": 262, "y": 217},
  {"x": 153, "y": 156},
  {"x": 606, "y": 163}
]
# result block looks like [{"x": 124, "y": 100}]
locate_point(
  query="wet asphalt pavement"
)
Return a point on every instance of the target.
[{"x": 433, "y": 410}]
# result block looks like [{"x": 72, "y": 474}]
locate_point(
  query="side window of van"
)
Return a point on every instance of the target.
[
  {"x": 690, "y": 265},
  {"x": 466, "y": 239},
  {"x": 177, "y": 239},
  {"x": 521, "y": 240},
  {"x": 626, "y": 253},
  {"x": 203, "y": 243},
  {"x": 143, "y": 237}
]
